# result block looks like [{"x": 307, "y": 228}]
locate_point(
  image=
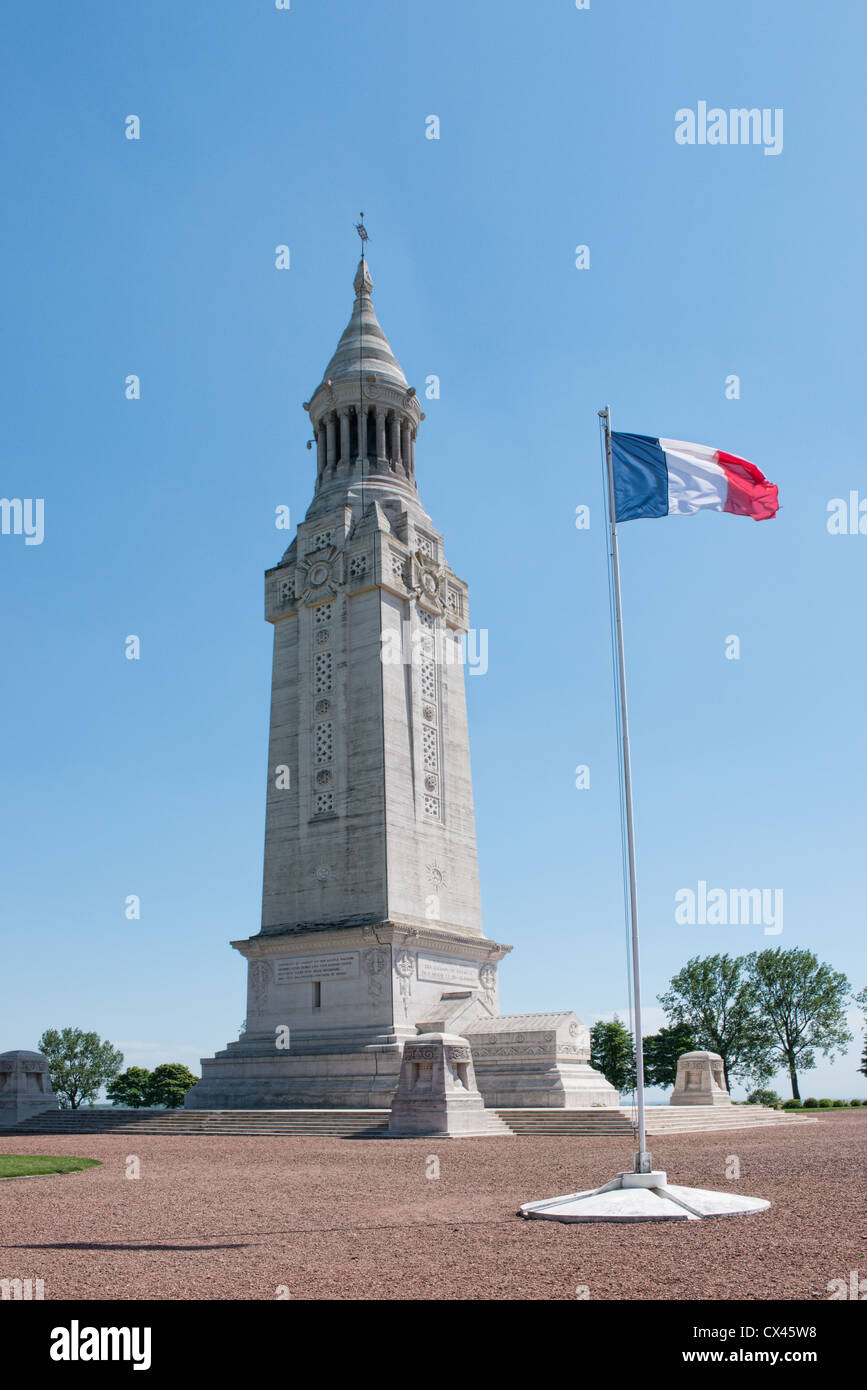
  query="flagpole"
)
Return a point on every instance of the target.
[
  {"x": 643, "y": 1160},
  {"x": 643, "y": 1194}
]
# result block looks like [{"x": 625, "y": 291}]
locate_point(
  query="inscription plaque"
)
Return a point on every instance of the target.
[
  {"x": 337, "y": 965},
  {"x": 447, "y": 972}
]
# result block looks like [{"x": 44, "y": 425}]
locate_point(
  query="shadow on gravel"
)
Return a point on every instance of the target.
[{"x": 88, "y": 1245}]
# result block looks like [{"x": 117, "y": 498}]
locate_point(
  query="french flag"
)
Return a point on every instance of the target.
[{"x": 667, "y": 477}]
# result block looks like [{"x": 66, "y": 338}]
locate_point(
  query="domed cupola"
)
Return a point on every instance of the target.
[{"x": 365, "y": 415}]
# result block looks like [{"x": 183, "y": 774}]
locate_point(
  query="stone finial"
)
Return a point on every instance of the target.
[
  {"x": 362, "y": 282},
  {"x": 700, "y": 1080}
]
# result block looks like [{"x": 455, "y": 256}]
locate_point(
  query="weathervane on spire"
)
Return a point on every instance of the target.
[{"x": 363, "y": 233}]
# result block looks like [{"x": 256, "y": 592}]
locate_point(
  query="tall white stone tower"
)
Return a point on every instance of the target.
[
  {"x": 371, "y": 897},
  {"x": 371, "y": 926}
]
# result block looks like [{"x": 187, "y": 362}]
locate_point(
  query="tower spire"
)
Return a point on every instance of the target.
[{"x": 364, "y": 413}]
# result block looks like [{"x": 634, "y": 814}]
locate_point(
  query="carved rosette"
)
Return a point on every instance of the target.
[
  {"x": 320, "y": 575},
  {"x": 427, "y": 581}
]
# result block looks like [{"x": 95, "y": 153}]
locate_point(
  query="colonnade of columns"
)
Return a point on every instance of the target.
[{"x": 386, "y": 437}]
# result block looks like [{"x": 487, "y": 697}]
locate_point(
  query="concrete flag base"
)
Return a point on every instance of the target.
[{"x": 642, "y": 1197}]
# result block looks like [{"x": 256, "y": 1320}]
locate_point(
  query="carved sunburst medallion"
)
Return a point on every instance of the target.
[
  {"x": 428, "y": 581},
  {"x": 320, "y": 574}
]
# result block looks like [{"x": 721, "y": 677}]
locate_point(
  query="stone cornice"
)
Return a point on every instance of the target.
[{"x": 301, "y": 939}]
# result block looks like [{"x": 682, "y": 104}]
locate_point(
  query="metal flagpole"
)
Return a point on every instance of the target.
[
  {"x": 645, "y": 1193},
  {"x": 643, "y": 1160}
]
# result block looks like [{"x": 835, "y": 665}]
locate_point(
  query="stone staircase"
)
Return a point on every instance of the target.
[
  {"x": 373, "y": 1124},
  {"x": 337, "y": 1124},
  {"x": 569, "y": 1124},
  {"x": 695, "y": 1119}
]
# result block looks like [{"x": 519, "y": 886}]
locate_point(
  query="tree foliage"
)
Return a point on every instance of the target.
[
  {"x": 612, "y": 1051},
  {"x": 661, "y": 1051},
  {"x": 801, "y": 1003},
  {"x": 130, "y": 1088},
  {"x": 169, "y": 1084},
  {"x": 763, "y": 1097},
  {"x": 861, "y": 1001},
  {"x": 711, "y": 996},
  {"x": 79, "y": 1064}
]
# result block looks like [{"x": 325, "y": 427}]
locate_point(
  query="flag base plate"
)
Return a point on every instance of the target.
[{"x": 642, "y": 1197}]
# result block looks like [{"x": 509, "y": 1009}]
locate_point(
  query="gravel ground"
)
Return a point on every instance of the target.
[{"x": 359, "y": 1219}]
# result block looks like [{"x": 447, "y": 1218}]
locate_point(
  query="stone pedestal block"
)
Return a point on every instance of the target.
[
  {"x": 700, "y": 1080},
  {"x": 25, "y": 1086},
  {"x": 436, "y": 1092},
  {"x": 537, "y": 1060}
]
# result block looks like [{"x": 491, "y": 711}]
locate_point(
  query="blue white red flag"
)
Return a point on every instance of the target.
[{"x": 668, "y": 477}]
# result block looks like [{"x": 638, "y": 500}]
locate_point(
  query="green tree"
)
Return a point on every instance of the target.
[
  {"x": 130, "y": 1088},
  {"x": 861, "y": 1001},
  {"x": 661, "y": 1051},
  {"x": 79, "y": 1063},
  {"x": 802, "y": 1007},
  {"x": 169, "y": 1084},
  {"x": 762, "y": 1097},
  {"x": 711, "y": 996},
  {"x": 612, "y": 1051}
]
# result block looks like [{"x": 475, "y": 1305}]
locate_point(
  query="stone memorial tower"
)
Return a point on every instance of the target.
[{"x": 371, "y": 923}]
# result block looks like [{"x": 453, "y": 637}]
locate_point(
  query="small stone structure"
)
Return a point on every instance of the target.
[
  {"x": 25, "y": 1086},
  {"x": 436, "y": 1092},
  {"x": 537, "y": 1060},
  {"x": 700, "y": 1080}
]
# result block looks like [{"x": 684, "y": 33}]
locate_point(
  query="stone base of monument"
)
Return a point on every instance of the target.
[
  {"x": 642, "y": 1197},
  {"x": 359, "y": 1071},
  {"x": 25, "y": 1086},
  {"x": 436, "y": 1094}
]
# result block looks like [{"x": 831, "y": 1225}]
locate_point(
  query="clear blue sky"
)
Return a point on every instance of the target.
[{"x": 156, "y": 257}]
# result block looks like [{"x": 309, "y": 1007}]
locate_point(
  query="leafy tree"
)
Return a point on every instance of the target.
[
  {"x": 612, "y": 1051},
  {"x": 79, "y": 1063},
  {"x": 801, "y": 1004},
  {"x": 761, "y": 1097},
  {"x": 711, "y": 996},
  {"x": 861, "y": 1001},
  {"x": 169, "y": 1084},
  {"x": 661, "y": 1051},
  {"x": 130, "y": 1088}
]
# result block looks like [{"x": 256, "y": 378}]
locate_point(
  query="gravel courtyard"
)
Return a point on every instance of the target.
[{"x": 360, "y": 1219}]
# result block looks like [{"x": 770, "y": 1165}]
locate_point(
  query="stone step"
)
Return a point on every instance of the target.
[
  {"x": 704, "y": 1118},
  {"x": 567, "y": 1123},
  {"x": 373, "y": 1124},
  {"x": 336, "y": 1123}
]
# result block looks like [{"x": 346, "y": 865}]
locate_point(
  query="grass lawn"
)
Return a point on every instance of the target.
[{"x": 23, "y": 1165}]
